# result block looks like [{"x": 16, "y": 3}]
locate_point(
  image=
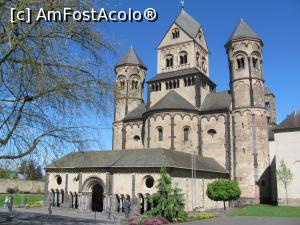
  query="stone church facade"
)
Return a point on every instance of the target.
[{"x": 199, "y": 134}]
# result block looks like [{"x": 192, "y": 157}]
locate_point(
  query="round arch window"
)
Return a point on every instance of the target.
[
  {"x": 58, "y": 180},
  {"x": 212, "y": 132},
  {"x": 149, "y": 181},
  {"x": 136, "y": 138}
]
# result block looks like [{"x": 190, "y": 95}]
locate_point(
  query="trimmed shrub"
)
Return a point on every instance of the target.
[{"x": 223, "y": 190}]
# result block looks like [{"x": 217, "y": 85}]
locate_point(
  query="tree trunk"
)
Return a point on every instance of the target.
[
  {"x": 286, "y": 194},
  {"x": 224, "y": 205}
]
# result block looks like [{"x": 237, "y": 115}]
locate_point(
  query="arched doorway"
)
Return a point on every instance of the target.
[
  {"x": 92, "y": 194},
  {"x": 97, "y": 197}
]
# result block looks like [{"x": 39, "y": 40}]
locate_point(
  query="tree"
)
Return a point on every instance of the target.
[
  {"x": 169, "y": 201},
  {"x": 284, "y": 176},
  {"x": 223, "y": 190},
  {"x": 51, "y": 73},
  {"x": 31, "y": 170}
]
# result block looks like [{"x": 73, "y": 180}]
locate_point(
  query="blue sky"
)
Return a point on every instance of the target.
[{"x": 276, "y": 22}]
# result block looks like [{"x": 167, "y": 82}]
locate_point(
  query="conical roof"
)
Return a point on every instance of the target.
[
  {"x": 243, "y": 30},
  {"x": 188, "y": 24},
  {"x": 132, "y": 58}
]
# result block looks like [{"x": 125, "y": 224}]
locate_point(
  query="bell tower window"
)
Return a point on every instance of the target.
[
  {"x": 169, "y": 61},
  {"x": 122, "y": 84},
  {"x": 160, "y": 133},
  {"x": 254, "y": 62},
  {"x": 240, "y": 62},
  {"x": 134, "y": 84},
  {"x": 198, "y": 59},
  {"x": 175, "y": 33},
  {"x": 186, "y": 132},
  {"x": 183, "y": 58}
]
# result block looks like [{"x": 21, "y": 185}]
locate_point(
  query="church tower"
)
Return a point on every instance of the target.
[
  {"x": 250, "y": 130},
  {"x": 129, "y": 88}
]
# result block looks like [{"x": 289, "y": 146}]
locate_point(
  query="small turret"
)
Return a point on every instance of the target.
[{"x": 130, "y": 76}]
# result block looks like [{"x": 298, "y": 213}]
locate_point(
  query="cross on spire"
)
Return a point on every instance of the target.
[{"x": 182, "y": 4}]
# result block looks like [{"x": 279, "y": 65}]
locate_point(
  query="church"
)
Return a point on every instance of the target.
[{"x": 184, "y": 124}]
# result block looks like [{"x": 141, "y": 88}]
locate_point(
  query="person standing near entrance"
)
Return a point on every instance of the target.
[{"x": 126, "y": 205}]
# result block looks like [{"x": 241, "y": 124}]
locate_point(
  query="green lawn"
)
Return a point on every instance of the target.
[
  {"x": 27, "y": 198},
  {"x": 266, "y": 210}
]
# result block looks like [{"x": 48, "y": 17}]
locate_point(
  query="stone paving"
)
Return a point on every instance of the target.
[{"x": 39, "y": 216}]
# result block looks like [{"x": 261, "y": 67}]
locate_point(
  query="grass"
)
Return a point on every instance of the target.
[
  {"x": 27, "y": 198},
  {"x": 266, "y": 210}
]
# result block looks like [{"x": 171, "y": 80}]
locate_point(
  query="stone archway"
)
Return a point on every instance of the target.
[
  {"x": 97, "y": 197},
  {"x": 93, "y": 194}
]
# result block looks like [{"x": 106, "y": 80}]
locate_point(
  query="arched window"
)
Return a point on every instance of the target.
[
  {"x": 160, "y": 133},
  {"x": 136, "y": 138},
  {"x": 134, "y": 84},
  {"x": 183, "y": 58},
  {"x": 186, "y": 132},
  {"x": 254, "y": 62},
  {"x": 204, "y": 64},
  {"x": 212, "y": 132},
  {"x": 198, "y": 59},
  {"x": 240, "y": 62},
  {"x": 122, "y": 84},
  {"x": 175, "y": 33},
  {"x": 169, "y": 61}
]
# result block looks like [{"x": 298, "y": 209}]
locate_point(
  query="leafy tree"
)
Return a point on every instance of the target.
[
  {"x": 284, "y": 176},
  {"x": 168, "y": 201},
  {"x": 31, "y": 170},
  {"x": 50, "y": 74},
  {"x": 7, "y": 174},
  {"x": 223, "y": 190}
]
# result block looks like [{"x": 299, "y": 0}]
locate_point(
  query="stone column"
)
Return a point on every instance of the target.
[
  {"x": 145, "y": 204},
  {"x": 66, "y": 194},
  {"x": 104, "y": 202}
]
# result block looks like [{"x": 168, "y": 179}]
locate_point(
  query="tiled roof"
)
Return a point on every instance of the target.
[
  {"x": 243, "y": 31},
  {"x": 214, "y": 101},
  {"x": 131, "y": 58},
  {"x": 172, "y": 100},
  {"x": 291, "y": 122},
  {"x": 136, "y": 158},
  {"x": 136, "y": 113},
  {"x": 188, "y": 24}
]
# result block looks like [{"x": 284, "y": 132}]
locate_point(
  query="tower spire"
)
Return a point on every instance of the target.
[{"x": 182, "y": 4}]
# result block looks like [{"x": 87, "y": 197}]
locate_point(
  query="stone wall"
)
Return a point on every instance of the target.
[{"x": 22, "y": 185}]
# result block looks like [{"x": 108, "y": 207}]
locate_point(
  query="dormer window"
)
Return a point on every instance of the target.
[
  {"x": 240, "y": 62},
  {"x": 175, "y": 33},
  {"x": 169, "y": 61},
  {"x": 183, "y": 58}
]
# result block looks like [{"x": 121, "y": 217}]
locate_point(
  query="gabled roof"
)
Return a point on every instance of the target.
[
  {"x": 188, "y": 24},
  {"x": 215, "y": 101},
  {"x": 131, "y": 58},
  {"x": 138, "y": 158},
  {"x": 292, "y": 122},
  {"x": 242, "y": 30},
  {"x": 172, "y": 100},
  {"x": 136, "y": 113}
]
